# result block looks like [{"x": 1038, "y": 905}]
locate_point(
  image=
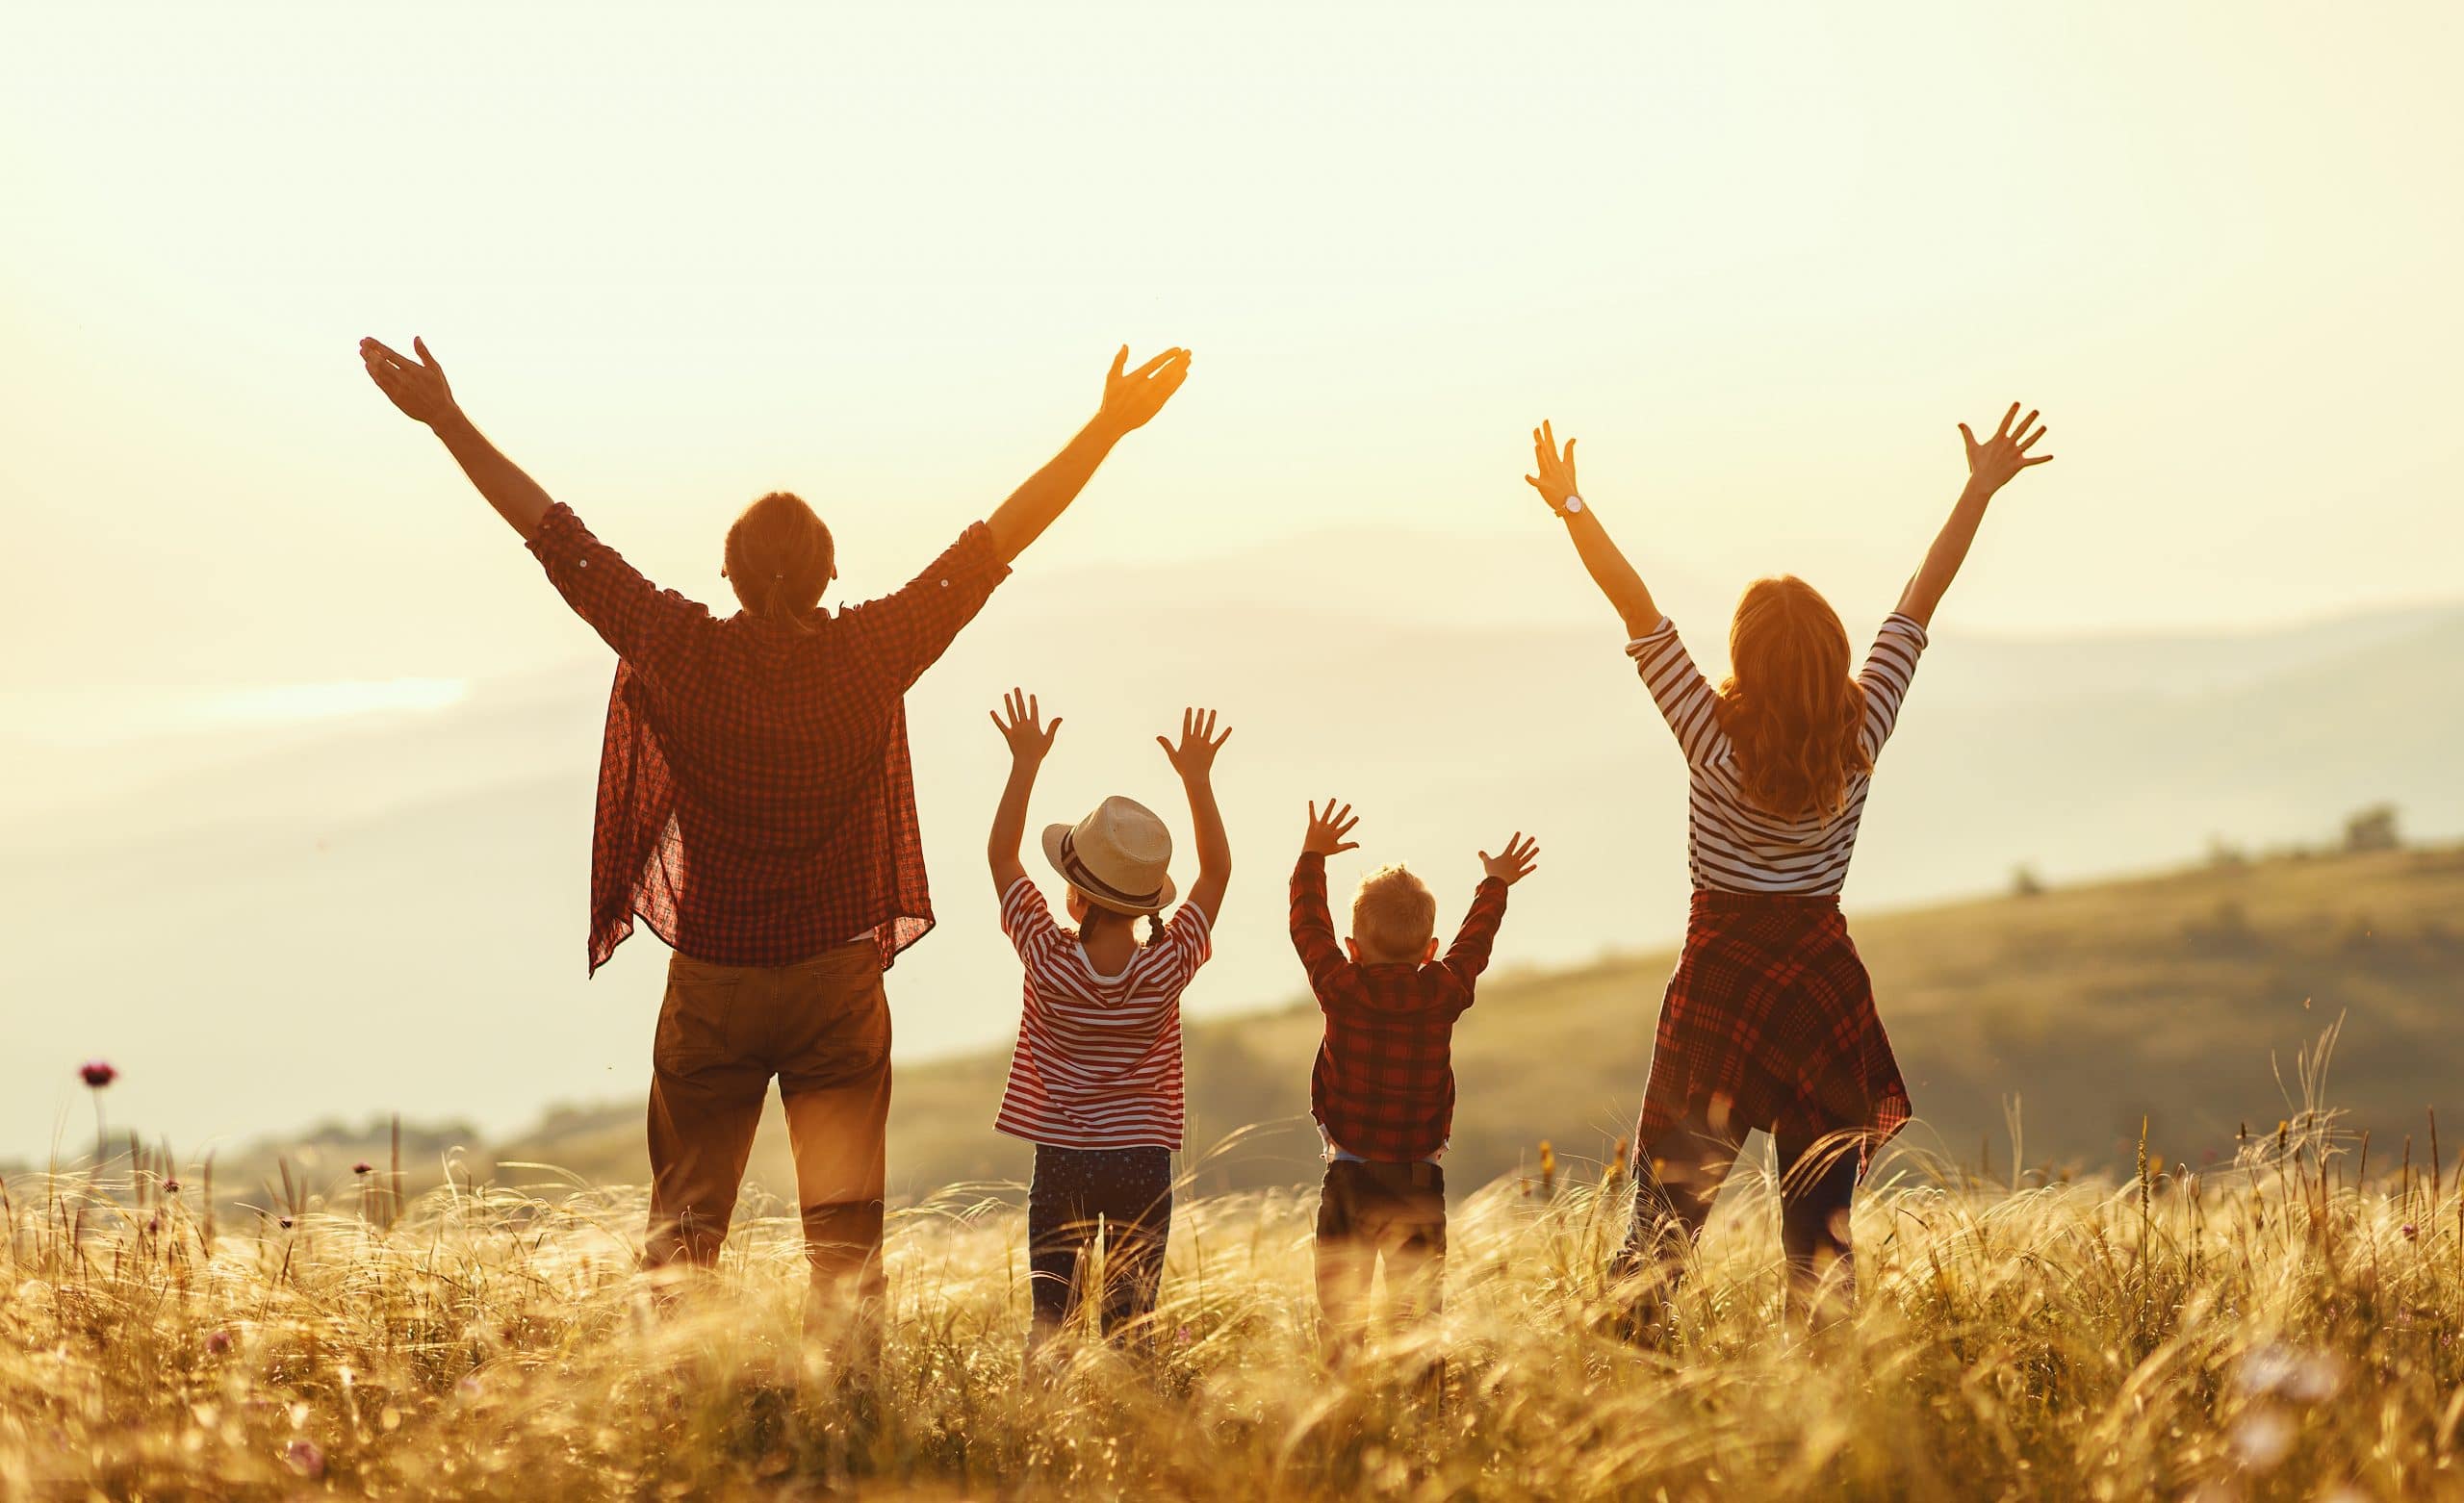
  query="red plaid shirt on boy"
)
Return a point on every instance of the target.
[
  {"x": 756, "y": 802},
  {"x": 1384, "y": 1085}
]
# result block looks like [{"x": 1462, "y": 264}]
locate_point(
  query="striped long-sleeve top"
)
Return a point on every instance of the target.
[
  {"x": 1098, "y": 1061},
  {"x": 1731, "y": 846}
]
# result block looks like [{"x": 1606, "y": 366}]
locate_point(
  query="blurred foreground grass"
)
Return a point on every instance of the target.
[{"x": 2277, "y": 1328}]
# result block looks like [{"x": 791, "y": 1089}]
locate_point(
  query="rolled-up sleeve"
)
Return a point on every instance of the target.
[
  {"x": 647, "y": 626},
  {"x": 908, "y": 630}
]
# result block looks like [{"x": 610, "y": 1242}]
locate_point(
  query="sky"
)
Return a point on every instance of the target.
[{"x": 1761, "y": 260}]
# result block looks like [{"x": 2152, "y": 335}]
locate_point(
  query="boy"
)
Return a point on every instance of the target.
[{"x": 1383, "y": 1091}]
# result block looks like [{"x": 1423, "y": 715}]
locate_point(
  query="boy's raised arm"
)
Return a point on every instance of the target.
[
  {"x": 1313, "y": 927},
  {"x": 1029, "y": 739},
  {"x": 1600, "y": 553},
  {"x": 1990, "y": 466},
  {"x": 1469, "y": 955},
  {"x": 1129, "y": 400},
  {"x": 1193, "y": 758}
]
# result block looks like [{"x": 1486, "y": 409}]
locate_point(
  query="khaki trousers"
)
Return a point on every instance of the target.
[{"x": 821, "y": 1026}]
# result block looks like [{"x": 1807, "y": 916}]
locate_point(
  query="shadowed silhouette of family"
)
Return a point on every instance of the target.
[{"x": 756, "y": 809}]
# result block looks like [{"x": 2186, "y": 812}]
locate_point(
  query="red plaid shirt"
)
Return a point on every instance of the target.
[
  {"x": 1769, "y": 1022},
  {"x": 1384, "y": 1085},
  {"x": 756, "y": 802}
]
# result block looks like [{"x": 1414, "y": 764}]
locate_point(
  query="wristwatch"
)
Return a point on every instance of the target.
[{"x": 1574, "y": 504}]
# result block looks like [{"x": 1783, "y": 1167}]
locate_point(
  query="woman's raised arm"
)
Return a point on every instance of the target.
[
  {"x": 1600, "y": 553},
  {"x": 1990, "y": 466}
]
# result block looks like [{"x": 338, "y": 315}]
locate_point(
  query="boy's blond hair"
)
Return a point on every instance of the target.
[{"x": 1393, "y": 915}]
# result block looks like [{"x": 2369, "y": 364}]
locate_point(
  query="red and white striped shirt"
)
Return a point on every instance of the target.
[{"x": 1098, "y": 1062}]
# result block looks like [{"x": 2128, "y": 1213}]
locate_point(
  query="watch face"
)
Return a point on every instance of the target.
[{"x": 1574, "y": 504}]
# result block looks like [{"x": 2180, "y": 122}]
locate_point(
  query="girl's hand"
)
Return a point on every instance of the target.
[
  {"x": 415, "y": 386},
  {"x": 1131, "y": 399},
  {"x": 1991, "y": 463},
  {"x": 1029, "y": 737},
  {"x": 1555, "y": 480},
  {"x": 1194, "y": 757},
  {"x": 1522, "y": 857},
  {"x": 1327, "y": 831}
]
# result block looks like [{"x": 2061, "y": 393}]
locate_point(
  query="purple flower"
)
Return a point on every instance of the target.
[
  {"x": 218, "y": 1343},
  {"x": 305, "y": 1459},
  {"x": 362, "y": 1167},
  {"x": 170, "y": 1186},
  {"x": 2411, "y": 1231},
  {"x": 97, "y": 1073}
]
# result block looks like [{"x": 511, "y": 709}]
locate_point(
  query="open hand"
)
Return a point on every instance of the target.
[
  {"x": 1519, "y": 858},
  {"x": 1327, "y": 831},
  {"x": 1029, "y": 737},
  {"x": 415, "y": 386},
  {"x": 1555, "y": 480},
  {"x": 1130, "y": 399},
  {"x": 1992, "y": 463},
  {"x": 1194, "y": 757}
]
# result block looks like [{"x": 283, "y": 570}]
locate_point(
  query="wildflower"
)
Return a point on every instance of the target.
[
  {"x": 218, "y": 1343},
  {"x": 97, "y": 1073},
  {"x": 154, "y": 1225},
  {"x": 170, "y": 1186},
  {"x": 306, "y": 1458},
  {"x": 286, "y": 1223},
  {"x": 2411, "y": 1231},
  {"x": 362, "y": 1167}
]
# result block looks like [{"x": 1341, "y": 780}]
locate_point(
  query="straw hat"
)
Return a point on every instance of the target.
[{"x": 1115, "y": 856}]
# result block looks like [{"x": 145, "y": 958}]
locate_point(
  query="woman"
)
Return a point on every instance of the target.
[
  {"x": 1769, "y": 1021},
  {"x": 756, "y": 809}
]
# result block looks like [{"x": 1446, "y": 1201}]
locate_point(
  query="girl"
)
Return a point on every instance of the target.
[
  {"x": 1769, "y": 1021},
  {"x": 1096, "y": 1081}
]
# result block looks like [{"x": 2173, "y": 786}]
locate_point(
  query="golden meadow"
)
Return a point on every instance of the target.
[{"x": 2281, "y": 1326}]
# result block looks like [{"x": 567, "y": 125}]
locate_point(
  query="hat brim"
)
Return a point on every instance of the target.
[{"x": 1054, "y": 834}]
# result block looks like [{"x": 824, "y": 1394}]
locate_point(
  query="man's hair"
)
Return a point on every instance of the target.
[
  {"x": 778, "y": 557},
  {"x": 1393, "y": 915}
]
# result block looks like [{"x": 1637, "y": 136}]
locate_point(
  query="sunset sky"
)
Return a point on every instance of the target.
[{"x": 1759, "y": 259}]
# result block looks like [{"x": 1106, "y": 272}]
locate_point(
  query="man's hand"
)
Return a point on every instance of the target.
[
  {"x": 1327, "y": 831},
  {"x": 1194, "y": 757},
  {"x": 1991, "y": 463},
  {"x": 1131, "y": 399},
  {"x": 417, "y": 386},
  {"x": 1520, "y": 857},
  {"x": 1029, "y": 737},
  {"x": 1555, "y": 480}
]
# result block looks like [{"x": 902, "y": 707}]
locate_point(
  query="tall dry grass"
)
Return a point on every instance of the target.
[{"x": 2281, "y": 1326}]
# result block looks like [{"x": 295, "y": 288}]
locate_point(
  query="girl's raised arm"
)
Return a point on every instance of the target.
[
  {"x": 1194, "y": 760},
  {"x": 1990, "y": 466},
  {"x": 1029, "y": 739},
  {"x": 1600, "y": 553},
  {"x": 418, "y": 387}
]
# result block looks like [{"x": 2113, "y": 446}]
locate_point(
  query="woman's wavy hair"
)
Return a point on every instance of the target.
[
  {"x": 1791, "y": 709},
  {"x": 779, "y": 558}
]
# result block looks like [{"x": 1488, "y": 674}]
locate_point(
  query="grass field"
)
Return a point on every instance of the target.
[{"x": 2276, "y": 1327}]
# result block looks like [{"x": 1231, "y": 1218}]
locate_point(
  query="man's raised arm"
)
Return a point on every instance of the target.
[{"x": 1130, "y": 398}]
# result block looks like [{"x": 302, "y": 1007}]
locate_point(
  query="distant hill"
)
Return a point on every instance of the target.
[
  {"x": 2181, "y": 998},
  {"x": 329, "y": 918}
]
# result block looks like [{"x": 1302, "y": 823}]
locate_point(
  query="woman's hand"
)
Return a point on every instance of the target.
[
  {"x": 1991, "y": 463},
  {"x": 417, "y": 386},
  {"x": 1194, "y": 757},
  {"x": 1029, "y": 737},
  {"x": 1327, "y": 831},
  {"x": 1521, "y": 858},
  {"x": 1555, "y": 480},
  {"x": 1131, "y": 399}
]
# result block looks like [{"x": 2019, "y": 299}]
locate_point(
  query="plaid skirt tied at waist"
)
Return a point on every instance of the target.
[{"x": 1769, "y": 1022}]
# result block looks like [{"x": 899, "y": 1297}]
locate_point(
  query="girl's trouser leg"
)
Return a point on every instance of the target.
[
  {"x": 1059, "y": 1227},
  {"x": 1138, "y": 1220}
]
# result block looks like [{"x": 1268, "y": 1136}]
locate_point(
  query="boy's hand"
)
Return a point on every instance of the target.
[
  {"x": 417, "y": 386},
  {"x": 1130, "y": 399},
  {"x": 1327, "y": 831},
  {"x": 1029, "y": 737},
  {"x": 1194, "y": 757},
  {"x": 1517, "y": 863},
  {"x": 1991, "y": 463},
  {"x": 1555, "y": 480}
]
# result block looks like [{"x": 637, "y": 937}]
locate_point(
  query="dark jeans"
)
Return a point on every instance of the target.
[
  {"x": 1372, "y": 1211},
  {"x": 1678, "y": 1176},
  {"x": 1125, "y": 1195}
]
